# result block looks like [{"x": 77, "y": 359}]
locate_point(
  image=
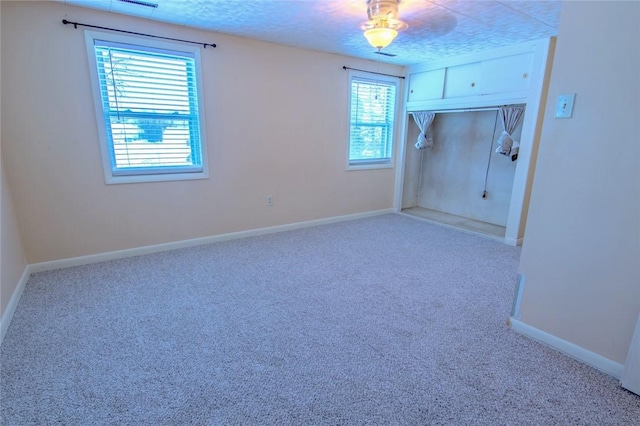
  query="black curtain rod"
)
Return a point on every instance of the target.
[
  {"x": 372, "y": 72},
  {"x": 77, "y": 24}
]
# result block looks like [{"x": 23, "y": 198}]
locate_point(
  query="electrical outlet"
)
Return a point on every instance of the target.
[{"x": 269, "y": 200}]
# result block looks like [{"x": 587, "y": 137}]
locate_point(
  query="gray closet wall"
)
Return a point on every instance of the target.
[{"x": 450, "y": 177}]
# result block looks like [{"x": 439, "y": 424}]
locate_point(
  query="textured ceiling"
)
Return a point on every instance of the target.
[{"x": 437, "y": 28}]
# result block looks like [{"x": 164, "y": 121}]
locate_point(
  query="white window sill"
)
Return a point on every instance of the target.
[
  {"x": 369, "y": 166},
  {"x": 110, "y": 180}
]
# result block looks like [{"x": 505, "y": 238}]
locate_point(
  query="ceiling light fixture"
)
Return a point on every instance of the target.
[{"x": 383, "y": 24}]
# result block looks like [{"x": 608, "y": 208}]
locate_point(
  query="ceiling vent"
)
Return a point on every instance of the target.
[{"x": 140, "y": 3}]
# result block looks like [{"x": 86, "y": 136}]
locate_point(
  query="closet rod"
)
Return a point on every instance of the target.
[{"x": 440, "y": 111}]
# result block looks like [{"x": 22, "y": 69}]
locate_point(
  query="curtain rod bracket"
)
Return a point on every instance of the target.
[{"x": 76, "y": 24}]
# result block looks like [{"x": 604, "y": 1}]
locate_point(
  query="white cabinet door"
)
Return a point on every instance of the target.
[
  {"x": 426, "y": 85},
  {"x": 462, "y": 80},
  {"x": 507, "y": 74}
]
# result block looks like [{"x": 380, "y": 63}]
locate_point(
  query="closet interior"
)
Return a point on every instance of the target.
[{"x": 459, "y": 179}]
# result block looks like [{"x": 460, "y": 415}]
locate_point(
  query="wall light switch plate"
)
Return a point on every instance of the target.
[{"x": 564, "y": 105}]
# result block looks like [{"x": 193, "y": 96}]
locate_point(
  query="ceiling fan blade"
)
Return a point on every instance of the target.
[{"x": 378, "y": 52}]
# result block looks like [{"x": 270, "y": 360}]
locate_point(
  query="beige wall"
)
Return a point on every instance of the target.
[
  {"x": 582, "y": 245},
  {"x": 13, "y": 261},
  {"x": 276, "y": 121}
]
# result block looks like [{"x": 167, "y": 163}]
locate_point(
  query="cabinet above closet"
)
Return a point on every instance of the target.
[{"x": 474, "y": 79}]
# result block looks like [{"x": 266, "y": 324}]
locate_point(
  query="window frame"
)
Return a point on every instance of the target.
[
  {"x": 374, "y": 79},
  {"x": 152, "y": 174}
]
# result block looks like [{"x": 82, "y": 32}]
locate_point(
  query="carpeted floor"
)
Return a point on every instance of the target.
[{"x": 385, "y": 320}]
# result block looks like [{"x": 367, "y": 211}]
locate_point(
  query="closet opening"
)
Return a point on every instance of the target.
[{"x": 453, "y": 174}]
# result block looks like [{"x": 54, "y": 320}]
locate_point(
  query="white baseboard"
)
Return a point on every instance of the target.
[
  {"x": 514, "y": 242},
  {"x": 138, "y": 251},
  {"x": 13, "y": 303},
  {"x": 574, "y": 351}
]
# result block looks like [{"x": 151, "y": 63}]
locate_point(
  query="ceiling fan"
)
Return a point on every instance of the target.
[{"x": 383, "y": 24}]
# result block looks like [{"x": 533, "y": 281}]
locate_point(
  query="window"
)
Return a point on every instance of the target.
[
  {"x": 148, "y": 108},
  {"x": 372, "y": 114}
]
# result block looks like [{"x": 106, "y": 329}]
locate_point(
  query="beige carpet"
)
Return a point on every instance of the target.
[{"x": 386, "y": 320}]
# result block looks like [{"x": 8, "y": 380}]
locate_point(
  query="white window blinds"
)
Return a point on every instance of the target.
[
  {"x": 372, "y": 117},
  {"x": 150, "y": 109}
]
